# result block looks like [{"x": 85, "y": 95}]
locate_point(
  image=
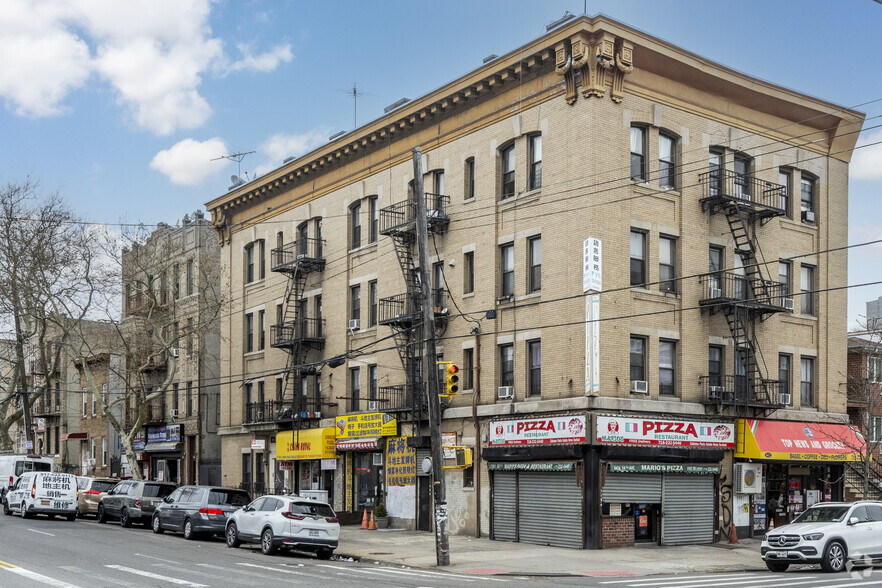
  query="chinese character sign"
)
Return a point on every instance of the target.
[
  {"x": 591, "y": 260},
  {"x": 400, "y": 462}
]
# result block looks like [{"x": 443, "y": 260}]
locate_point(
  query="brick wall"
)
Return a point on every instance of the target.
[{"x": 618, "y": 532}]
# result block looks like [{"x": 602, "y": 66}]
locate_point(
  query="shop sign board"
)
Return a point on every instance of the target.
[
  {"x": 448, "y": 440},
  {"x": 529, "y": 466},
  {"x": 592, "y": 275},
  {"x": 371, "y": 424},
  {"x": 137, "y": 441},
  {"x": 622, "y": 430},
  {"x": 796, "y": 441},
  {"x": 662, "y": 468},
  {"x": 285, "y": 465},
  {"x": 306, "y": 444},
  {"x": 400, "y": 462},
  {"x": 329, "y": 464},
  {"x": 174, "y": 432},
  {"x": 157, "y": 434},
  {"x": 550, "y": 430},
  {"x": 258, "y": 444},
  {"x": 41, "y": 425}
]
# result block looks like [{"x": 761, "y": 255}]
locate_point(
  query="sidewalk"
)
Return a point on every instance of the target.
[{"x": 482, "y": 556}]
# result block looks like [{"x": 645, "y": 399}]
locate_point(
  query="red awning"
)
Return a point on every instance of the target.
[
  {"x": 67, "y": 436},
  {"x": 795, "y": 441},
  {"x": 372, "y": 443}
]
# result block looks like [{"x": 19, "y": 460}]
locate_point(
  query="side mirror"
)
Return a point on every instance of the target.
[
  {"x": 853, "y": 521},
  {"x": 168, "y": 499}
]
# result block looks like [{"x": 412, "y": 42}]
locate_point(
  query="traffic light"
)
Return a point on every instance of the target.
[{"x": 452, "y": 379}]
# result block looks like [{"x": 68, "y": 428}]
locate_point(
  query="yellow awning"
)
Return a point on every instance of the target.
[{"x": 305, "y": 444}]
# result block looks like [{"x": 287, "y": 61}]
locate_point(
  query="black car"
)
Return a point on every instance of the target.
[{"x": 194, "y": 510}]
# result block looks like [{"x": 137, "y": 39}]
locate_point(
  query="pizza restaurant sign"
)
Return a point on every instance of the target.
[
  {"x": 550, "y": 430},
  {"x": 618, "y": 430}
]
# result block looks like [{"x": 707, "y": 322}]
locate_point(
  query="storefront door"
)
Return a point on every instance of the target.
[{"x": 368, "y": 480}]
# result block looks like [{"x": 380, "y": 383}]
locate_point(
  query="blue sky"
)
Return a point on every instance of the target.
[{"x": 119, "y": 106}]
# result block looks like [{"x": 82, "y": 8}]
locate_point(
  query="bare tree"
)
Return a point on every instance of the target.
[
  {"x": 48, "y": 281},
  {"x": 167, "y": 297},
  {"x": 864, "y": 400}
]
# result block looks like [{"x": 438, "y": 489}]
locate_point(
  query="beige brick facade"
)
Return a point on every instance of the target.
[{"x": 586, "y": 191}]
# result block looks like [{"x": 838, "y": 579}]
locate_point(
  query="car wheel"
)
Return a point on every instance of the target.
[
  {"x": 324, "y": 553},
  {"x": 834, "y": 557},
  {"x": 6, "y": 510},
  {"x": 266, "y": 542},
  {"x": 71, "y": 517},
  {"x": 233, "y": 535},
  {"x": 189, "y": 534},
  {"x": 124, "y": 518},
  {"x": 101, "y": 517},
  {"x": 157, "y": 525},
  {"x": 777, "y": 566}
]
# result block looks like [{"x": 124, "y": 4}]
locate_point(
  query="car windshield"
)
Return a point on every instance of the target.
[
  {"x": 824, "y": 514},
  {"x": 312, "y": 508},
  {"x": 231, "y": 497},
  {"x": 157, "y": 490}
]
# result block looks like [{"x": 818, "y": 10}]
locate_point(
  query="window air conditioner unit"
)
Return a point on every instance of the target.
[
  {"x": 173, "y": 413},
  {"x": 301, "y": 255},
  {"x": 808, "y": 216},
  {"x": 748, "y": 478},
  {"x": 716, "y": 392},
  {"x": 90, "y": 462},
  {"x": 354, "y": 324},
  {"x": 372, "y": 405},
  {"x": 505, "y": 392},
  {"x": 377, "y": 459},
  {"x": 639, "y": 387},
  {"x": 317, "y": 414},
  {"x": 173, "y": 351},
  {"x": 716, "y": 293},
  {"x": 788, "y": 303},
  {"x": 784, "y": 398}
]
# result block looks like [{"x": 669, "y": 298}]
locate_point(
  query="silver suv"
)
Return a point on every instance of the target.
[
  {"x": 828, "y": 533},
  {"x": 133, "y": 501}
]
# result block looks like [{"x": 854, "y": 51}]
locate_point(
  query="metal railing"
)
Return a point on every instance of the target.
[
  {"x": 400, "y": 217},
  {"x": 400, "y": 398},
  {"x": 303, "y": 251},
  {"x": 274, "y": 411},
  {"x": 303, "y": 329},
  {"x": 732, "y": 287},
  {"x": 745, "y": 188},
  {"x": 155, "y": 413},
  {"x": 402, "y": 309},
  {"x": 734, "y": 390}
]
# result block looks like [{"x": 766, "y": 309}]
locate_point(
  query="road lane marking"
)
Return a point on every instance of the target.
[
  {"x": 385, "y": 572},
  {"x": 172, "y": 568},
  {"x": 153, "y": 576},
  {"x": 249, "y": 573},
  {"x": 447, "y": 574},
  {"x": 159, "y": 559},
  {"x": 41, "y": 532},
  {"x": 706, "y": 578},
  {"x": 740, "y": 582},
  {"x": 39, "y": 577}
]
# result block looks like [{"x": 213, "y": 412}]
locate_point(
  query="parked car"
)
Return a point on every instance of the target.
[
  {"x": 91, "y": 491},
  {"x": 133, "y": 501},
  {"x": 277, "y": 521},
  {"x": 49, "y": 493},
  {"x": 828, "y": 533},
  {"x": 195, "y": 510}
]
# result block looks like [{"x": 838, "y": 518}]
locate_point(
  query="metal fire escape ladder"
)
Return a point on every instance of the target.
[
  {"x": 747, "y": 246},
  {"x": 297, "y": 350}
]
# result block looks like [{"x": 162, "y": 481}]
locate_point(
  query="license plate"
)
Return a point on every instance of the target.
[
  {"x": 779, "y": 554},
  {"x": 45, "y": 503},
  {"x": 313, "y": 533}
]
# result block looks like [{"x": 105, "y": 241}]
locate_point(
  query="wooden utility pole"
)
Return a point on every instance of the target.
[{"x": 430, "y": 371}]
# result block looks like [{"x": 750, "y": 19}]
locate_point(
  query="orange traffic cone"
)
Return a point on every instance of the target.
[
  {"x": 364, "y": 520},
  {"x": 733, "y": 535},
  {"x": 771, "y": 523},
  {"x": 373, "y": 524}
]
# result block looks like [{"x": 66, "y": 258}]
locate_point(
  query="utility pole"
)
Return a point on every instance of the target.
[{"x": 430, "y": 371}]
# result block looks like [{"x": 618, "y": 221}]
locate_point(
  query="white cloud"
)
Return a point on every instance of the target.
[
  {"x": 188, "y": 162},
  {"x": 866, "y": 164},
  {"x": 280, "y": 146},
  {"x": 153, "y": 53}
]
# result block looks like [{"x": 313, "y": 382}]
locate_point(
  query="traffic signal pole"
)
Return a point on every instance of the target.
[{"x": 430, "y": 376}]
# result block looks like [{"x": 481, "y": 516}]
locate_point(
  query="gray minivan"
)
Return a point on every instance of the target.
[{"x": 193, "y": 510}]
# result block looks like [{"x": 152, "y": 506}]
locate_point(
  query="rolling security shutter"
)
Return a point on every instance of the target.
[
  {"x": 687, "y": 509},
  {"x": 641, "y": 488},
  {"x": 550, "y": 509},
  {"x": 504, "y": 505}
]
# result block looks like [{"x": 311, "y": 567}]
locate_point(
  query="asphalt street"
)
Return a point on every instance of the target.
[{"x": 39, "y": 552}]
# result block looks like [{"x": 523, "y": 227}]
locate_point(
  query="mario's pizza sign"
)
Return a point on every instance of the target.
[
  {"x": 619, "y": 430},
  {"x": 550, "y": 430}
]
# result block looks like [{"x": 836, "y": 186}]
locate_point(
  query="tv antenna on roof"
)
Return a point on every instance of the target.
[
  {"x": 237, "y": 157},
  {"x": 355, "y": 93}
]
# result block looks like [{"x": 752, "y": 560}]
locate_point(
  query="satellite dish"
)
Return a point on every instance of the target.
[{"x": 235, "y": 179}]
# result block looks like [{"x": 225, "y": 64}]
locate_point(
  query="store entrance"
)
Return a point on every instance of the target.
[
  {"x": 645, "y": 523},
  {"x": 369, "y": 476},
  {"x": 790, "y": 489}
]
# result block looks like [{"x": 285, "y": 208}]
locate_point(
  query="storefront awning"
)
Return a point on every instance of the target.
[
  {"x": 66, "y": 436},
  {"x": 165, "y": 446},
  {"x": 367, "y": 444},
  {"x": 795, "y": 441},
  {"x": 306, "y": 444}
]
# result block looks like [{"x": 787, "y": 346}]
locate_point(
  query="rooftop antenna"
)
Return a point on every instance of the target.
[
  {"x": 356, "y": 94},
  {"x": 237, "y": 157}
]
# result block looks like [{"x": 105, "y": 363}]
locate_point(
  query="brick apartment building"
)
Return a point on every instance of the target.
[{"x": 675, "y": 349}]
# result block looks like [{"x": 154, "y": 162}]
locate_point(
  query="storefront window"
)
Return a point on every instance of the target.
[{"x": 369, "y": 476}]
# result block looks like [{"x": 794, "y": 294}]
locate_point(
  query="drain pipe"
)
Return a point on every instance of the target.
[{"x": 476, "y": 462}]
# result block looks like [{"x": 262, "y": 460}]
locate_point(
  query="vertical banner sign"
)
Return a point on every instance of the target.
[
  {"x": 592, "y": 345},
  {"x": 591, "y": 273},
  {"x": 349, "y": 488},
  {"x": 400, "y": 462}
]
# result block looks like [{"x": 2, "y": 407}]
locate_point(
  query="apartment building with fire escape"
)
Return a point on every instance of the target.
[{"x": 673, "y": 362}]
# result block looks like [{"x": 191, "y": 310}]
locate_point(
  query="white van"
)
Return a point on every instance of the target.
[
  {"x": 12, "y": 466},
  {"x": 49, "y": 493}
]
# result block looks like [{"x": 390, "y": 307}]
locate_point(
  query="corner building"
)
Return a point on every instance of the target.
[{"x": 632, "y": 249}]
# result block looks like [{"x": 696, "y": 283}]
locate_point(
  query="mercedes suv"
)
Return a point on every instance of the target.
[{"x": 828, "y": 533}]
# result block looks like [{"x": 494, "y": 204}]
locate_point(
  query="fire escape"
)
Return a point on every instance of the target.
[
  {"x": 745, "y": 298},
  {"x": 403, "y": 313},
  {"x": 296, "y": 333}
]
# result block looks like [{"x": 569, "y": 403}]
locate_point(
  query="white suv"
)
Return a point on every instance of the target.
[
  {"x": 285, "y": 521},
  {"x": 828, "y": 533}
]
